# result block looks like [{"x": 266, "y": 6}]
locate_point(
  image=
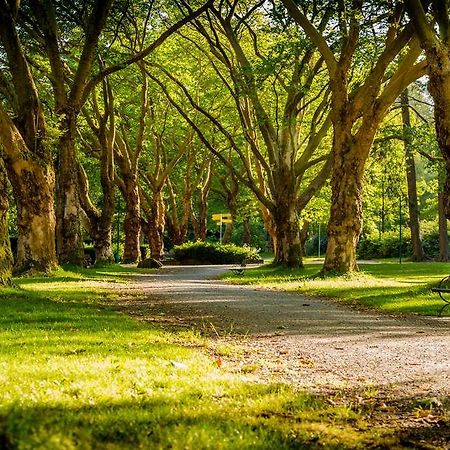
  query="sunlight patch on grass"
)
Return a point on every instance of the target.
[{"x": 76, "y": 374}]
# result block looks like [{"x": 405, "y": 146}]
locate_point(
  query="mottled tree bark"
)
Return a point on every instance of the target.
[
  {"x": 156, "y": 226},
  {"x": 246, "y": 233},
  {"x": 444, "y": 254},
  {"x": 200, "y": 219},
  {"x": 27, "y": 156},
  {"x": 132, "y": 221},
  {"x": 345, "y": 223},
  {"x": 287, "y": 236},
  {"x": 177, "y": 227},
  {"x": 69, "y": 242},
  {"x": 32, "y": 181},
  {"x": 304, "y": 230},
  {"x": 413, "y": 204},
  {"x": 435, "y": 41},
  {"x": 6, "y": 259}
]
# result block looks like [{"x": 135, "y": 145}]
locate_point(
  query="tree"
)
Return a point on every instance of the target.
[
  {"x": 358, "y": 104},
  {"x": 281, "y": 154},
  {"x": 99, "y": 219},
  {"x": 73, "y": 76},
  {"x": 26, "y": 151},
  {"x": 6, "y": 259},
  {"x": 413, "y": 205},
  {"x": 166, "y": 146},
  {"x": 435, "y": 41}
]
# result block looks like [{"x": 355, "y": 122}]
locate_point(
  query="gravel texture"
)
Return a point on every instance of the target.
[{"x": 310, "y": 342}]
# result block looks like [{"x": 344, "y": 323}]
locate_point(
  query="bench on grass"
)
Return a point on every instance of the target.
[{"x": 443, "y": 289}]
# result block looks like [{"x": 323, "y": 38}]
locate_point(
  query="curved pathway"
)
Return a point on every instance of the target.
[{"x": 307, "y": 341}]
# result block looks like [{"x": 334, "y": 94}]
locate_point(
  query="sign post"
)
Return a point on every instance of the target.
[{"x": 221, "y": 219}]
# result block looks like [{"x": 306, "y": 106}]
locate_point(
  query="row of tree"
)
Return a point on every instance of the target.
[{"x": 167, "y": 101}]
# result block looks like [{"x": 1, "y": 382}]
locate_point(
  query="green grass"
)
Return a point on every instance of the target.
[
  {"x": 75, "y": 374},
  {"x": 388, "y": 286}
]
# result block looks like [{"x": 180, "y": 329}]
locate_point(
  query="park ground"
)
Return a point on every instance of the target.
[{"x": 115, "y": 357}]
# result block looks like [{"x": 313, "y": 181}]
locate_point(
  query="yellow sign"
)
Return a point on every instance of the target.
[{"x": 222, "y": 217}]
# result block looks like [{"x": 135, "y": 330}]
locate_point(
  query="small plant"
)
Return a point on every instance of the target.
[{"x": 208, "y": 253}]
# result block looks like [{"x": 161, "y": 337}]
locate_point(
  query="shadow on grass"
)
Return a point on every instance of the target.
[
  {"x": 145, "y": 423},
  {"x": 75, "y": 376},
  {"x": 110, "y": 273}
]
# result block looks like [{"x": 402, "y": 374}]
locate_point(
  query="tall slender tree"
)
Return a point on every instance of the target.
[{"x": 413, "y": 204}]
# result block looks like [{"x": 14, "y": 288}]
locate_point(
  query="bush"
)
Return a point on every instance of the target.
[
  {"x": 385, "y": 246},
  {"x": 388, "y": 245},
  {"x": 208, "y": 253}
]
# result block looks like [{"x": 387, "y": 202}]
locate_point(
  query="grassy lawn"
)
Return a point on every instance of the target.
[
  {"x": 389, "y": 286},
  {"x": 75, "y": 374}
]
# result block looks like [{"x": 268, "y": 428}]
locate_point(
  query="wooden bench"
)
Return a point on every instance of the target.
[{"x": 443, "y": 289}]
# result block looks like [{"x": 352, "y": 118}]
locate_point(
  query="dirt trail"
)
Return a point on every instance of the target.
[{"x": 307, "y": 341}]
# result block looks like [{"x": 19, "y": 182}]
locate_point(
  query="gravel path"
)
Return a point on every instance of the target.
[{"x": 307, "y": 341}]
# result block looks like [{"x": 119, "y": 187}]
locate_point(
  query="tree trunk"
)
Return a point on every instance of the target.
[
  {"x": 288, "y": 249},
  {"x": 345, "y": 223},
  {"x": 177, "y": 227},
  {"x": 132, "y": 221},
  {"x": 68, "y": 210},
  {"x": 228, "y": 232},
  {"x": 33, "y": 190},
  {"x": 6, "y": 259},
  {"x": 444, "y": 254},
  {"x": 439, "y": 86},
  {"x": 32, "y": 180},
  {"x": 413, "y": 206},
  {"x": 246, "y": 233},
  {"x": 156, "y": 226},
  {"x": 101, "y": 234},
  {"x": 304, "y": 236}
]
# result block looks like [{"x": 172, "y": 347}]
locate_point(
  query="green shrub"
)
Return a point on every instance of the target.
[
  {"x": 430, "y": 244},
  {"x": 205, "y": 252},
  {"x": 388, "y": 245},
  {"x": 385, "y": 246}
]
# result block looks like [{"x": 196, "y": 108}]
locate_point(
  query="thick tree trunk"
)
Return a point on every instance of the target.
[
  {"x": 156, "y": 226},
  {"x": 413, "y": 204},
  {"x": 33, "y": 190},
  {"x": 439, "y": 86},
  {"x": 68, "y": 210},
  {"x": 444, "y": 254},
  {"x": 177, "y": 227},
  {"x": 101, "y": 234},
  {"x": 132, "y": 221},
  {"x": 246, "y": 233},
  {"x": 6, "y": 259},
  {"x": 200, "y": 220},
  {"x": 228, "y": 232},
  {"x": 288, "y": 249},
  {"x": 32, "y": 180},
  {"x": 345, "y": 223},
  {"x": 304, "y": 230}
]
